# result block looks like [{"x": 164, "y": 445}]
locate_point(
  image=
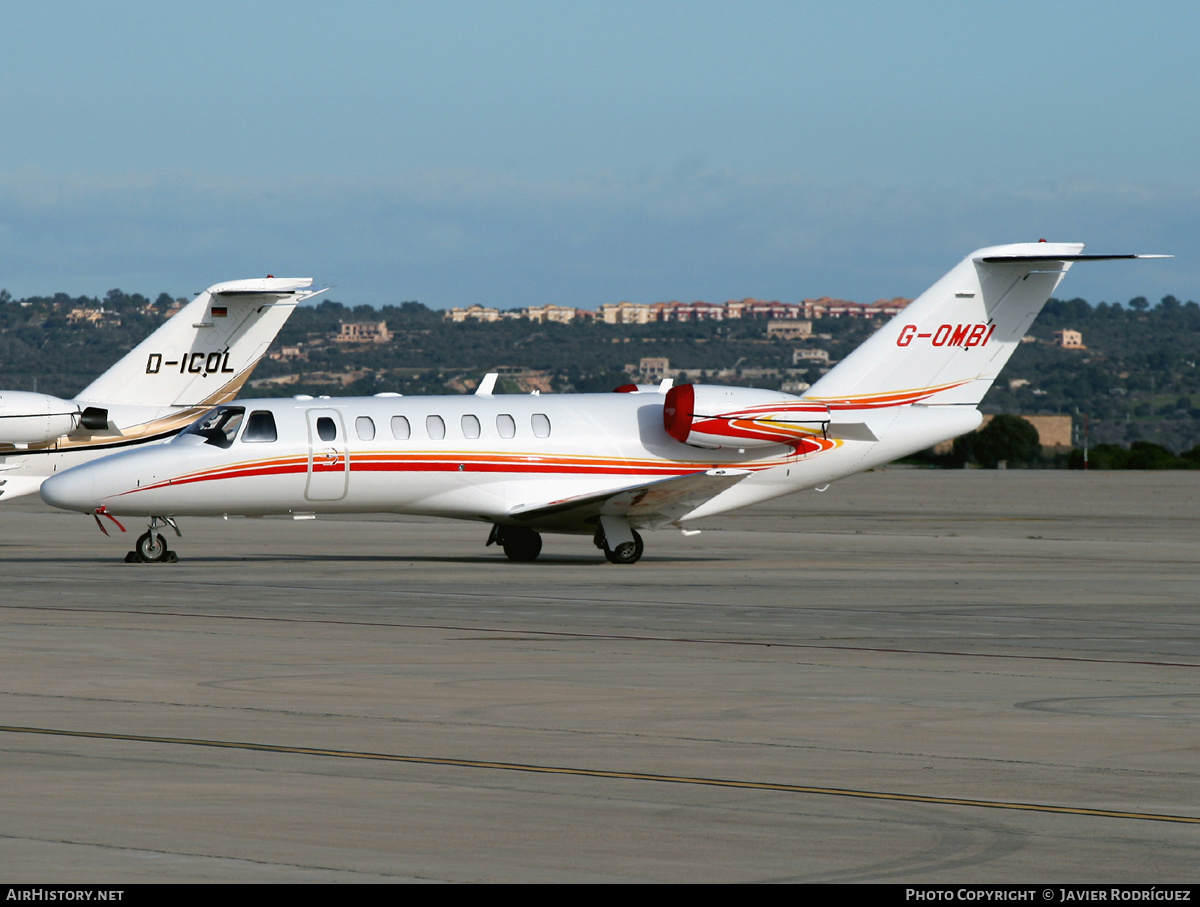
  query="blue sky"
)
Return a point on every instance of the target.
[{"x": 515, "y": 153}]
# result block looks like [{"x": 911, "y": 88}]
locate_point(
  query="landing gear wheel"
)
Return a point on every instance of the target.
[
  {"x": 151, "y": 547},
  {"x": 520, "y": 544},
  {"x": 627, "y": 552}
]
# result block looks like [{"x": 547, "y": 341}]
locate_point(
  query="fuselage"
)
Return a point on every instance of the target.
[{"x": 467, "y": 457}]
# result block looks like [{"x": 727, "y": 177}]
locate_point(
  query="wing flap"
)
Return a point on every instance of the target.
[{"x": 650, "y": 503}]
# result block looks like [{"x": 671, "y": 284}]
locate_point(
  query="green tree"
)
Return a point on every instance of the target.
[{"x": 1008, "y": 438}]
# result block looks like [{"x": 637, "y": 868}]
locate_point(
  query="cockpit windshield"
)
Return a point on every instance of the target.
[{"x": 218, "y": 426}]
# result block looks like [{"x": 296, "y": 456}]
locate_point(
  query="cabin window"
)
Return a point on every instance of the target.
[
  {"x": 219, "y": 426},
  {"x": 326, "y": 429},
  {"x": 506, "y": 425},
  {"x": 541, "y": 425},
  {"x": 260, "y": 426},
  {"x": 435, "y": 427},
  {"x": 365, "y": 427},
  {"x": 470, "y": 427},
  {"x": 400, "y": 428}
]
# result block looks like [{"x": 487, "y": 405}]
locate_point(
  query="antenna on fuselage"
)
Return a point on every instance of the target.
[{"x": 487, "y": 385}]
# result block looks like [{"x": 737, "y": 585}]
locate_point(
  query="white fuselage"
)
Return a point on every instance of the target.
[{"x": 467, "y": 457}]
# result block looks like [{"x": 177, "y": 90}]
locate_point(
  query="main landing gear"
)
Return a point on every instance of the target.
[
  {"x": 519, "y": 543},
  {"x": 627, "y": 552},
  {"x": 524, "y": 545},
  {"x": 151, "y": 547}
]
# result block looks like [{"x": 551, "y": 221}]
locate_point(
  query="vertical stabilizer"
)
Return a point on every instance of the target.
[
  {"x": 951, "y": 342},
  {"x": 207, "y": 350}
]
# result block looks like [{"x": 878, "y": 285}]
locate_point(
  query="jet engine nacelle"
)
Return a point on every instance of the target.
[
  {"x": 29, "y": 418},
  {"x": 742, "y": 417}
]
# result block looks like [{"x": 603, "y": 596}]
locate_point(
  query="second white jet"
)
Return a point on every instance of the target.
[{"x": 200, "y": 357}]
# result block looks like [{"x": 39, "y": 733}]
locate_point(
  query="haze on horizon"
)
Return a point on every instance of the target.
[{"x": 519, "y": 153}]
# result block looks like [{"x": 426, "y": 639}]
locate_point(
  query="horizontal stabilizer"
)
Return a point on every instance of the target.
[
  {"x": 993, "y": 259},
  {"x": 650, "y": 503},
  {"x": 261, "y": 286}
]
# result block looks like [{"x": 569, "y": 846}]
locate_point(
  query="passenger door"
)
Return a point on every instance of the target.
[{"x": 328, "y": 462}]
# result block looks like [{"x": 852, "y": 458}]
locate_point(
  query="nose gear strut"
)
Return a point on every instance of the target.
[{"x": 151, "y": 547}]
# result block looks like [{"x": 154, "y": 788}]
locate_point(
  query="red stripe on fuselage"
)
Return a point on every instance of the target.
[{"x": 412, "y": 463}]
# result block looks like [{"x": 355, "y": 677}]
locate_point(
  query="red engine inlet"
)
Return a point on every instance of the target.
[
  {"x": 678, "y": 409},
  {"x": 740, "y": 417}
]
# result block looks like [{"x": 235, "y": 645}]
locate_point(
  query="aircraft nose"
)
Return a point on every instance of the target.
[{"x": 74, "y": 489}]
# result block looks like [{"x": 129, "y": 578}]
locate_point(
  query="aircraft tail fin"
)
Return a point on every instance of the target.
[
  {"x": 207, "y": 350},
  {"x": 951, "y": 342}
]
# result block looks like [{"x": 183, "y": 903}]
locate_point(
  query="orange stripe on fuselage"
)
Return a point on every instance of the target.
[
  {"x": 461, "y": 461},
  {"x": 893, "y": 398}
]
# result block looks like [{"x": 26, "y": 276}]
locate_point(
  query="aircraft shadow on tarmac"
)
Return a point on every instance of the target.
[{"x": 548, "y": 561}]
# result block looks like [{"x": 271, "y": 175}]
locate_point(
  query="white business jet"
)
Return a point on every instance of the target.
[
  {"x": 600, "y": 465},
  {"x": 198, "y": 358}
]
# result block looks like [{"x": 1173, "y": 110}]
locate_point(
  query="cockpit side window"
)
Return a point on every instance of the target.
[
  {"x": 260, "y": 426},
  {"x": 219, "y": 426}
]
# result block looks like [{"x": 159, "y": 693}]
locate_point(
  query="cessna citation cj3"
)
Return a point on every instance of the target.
[
  {"x": 600, "y": 465},
  {"x": 200, "y": 357}
]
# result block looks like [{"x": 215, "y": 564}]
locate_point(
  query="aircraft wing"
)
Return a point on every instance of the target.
[
  {"x": 16, "y": 486},
  {"x": 647, "y": 504}
]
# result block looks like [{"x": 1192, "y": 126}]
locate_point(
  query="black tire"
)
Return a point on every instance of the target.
[
  {"x": 151, "y": 547},
  {"x": 627, "y": 553},
  {"x": 520, "y": 544}
]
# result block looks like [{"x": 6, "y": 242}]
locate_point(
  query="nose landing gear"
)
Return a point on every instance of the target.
[{"x": 151, "y": 547}]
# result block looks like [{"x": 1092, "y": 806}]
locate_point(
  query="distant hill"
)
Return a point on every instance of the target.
[{"x": 1136, "y": 378}]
